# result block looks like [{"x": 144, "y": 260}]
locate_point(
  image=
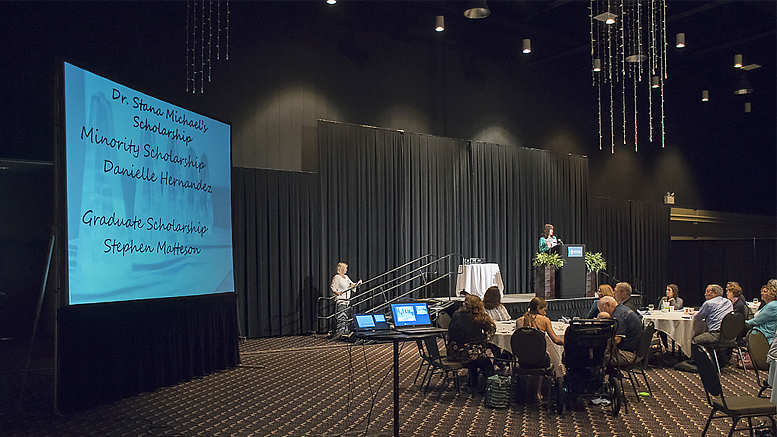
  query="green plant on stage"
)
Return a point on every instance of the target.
[
  {"x": 595, "y": 262},
  {"x": 548, "y": 259}
]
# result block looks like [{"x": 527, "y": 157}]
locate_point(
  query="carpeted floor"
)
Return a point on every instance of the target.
[{"x": 312, "y": 386}]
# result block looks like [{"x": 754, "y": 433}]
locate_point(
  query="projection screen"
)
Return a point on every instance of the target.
[{"x": 148, "y": 195}]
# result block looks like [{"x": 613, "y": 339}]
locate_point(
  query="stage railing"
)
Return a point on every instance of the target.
[{"x": 394, "y": 285}]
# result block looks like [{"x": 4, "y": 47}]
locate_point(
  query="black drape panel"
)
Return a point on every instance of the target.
[
  {"x": 634, "y": 240},
  {"x": 390, "y": 196},
  {"x": 111, "y": 351},
  {"x": 695, "y": 264},
  {"x": 276, "y": 239}
]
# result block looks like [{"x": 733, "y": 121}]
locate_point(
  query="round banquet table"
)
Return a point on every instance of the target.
[
  {"x": 504, "y": 330},
  {"x": 477, "y": 278},
  {"x": 675, "y": 324}
]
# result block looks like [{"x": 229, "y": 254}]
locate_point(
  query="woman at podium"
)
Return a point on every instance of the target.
[{"x": 547, "y": 240}]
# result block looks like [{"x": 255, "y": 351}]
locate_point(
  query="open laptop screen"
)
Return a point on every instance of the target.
[
  {"x": 364, "y": 321},
  {"x": 410, "y": 314}
]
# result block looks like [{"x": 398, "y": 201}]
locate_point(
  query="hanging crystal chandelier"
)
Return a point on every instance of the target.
[{"x": 628, "y": 56}]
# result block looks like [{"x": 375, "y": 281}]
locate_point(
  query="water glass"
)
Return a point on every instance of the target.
[{"x": 650, "y": 307}]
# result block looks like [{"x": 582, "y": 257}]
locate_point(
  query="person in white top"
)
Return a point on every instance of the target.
[{"x": 341, "y": 286}]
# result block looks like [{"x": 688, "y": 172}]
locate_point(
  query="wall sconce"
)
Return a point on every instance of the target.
[
  {"x": 705, "y": 96},
  {"x": 439, "y": 23},
  {"x": 527, "y": 45},
  {"x": 680, "y": 40},
  {"x": 597, "y": 65},
  {"x": 737, "y": 61}
]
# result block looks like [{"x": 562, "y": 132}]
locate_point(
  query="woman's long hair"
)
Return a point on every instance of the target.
[
  {"x": 535, "y": 305},
  {"x": 492, "y": 299},
  {"x": 473, "y": 305},
  {"x": 546, "y": 230},
  {"x": 676, "y": 291}
]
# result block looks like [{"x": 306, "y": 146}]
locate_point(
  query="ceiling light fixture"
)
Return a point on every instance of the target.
[
  {"x": 743, "y": 86},
  {"x": 477, "y": 9},
  {"x": 680, "y": 40},
  {"x": 705, "y": 96},
  {"x": 737, "y": 61},
  {"x": 631, "y": 54},
  {"x": 527, "y": 45},
  {"x": 439, "y": 23},
  {"x": 748, "y": 107},
  {"x": 331, "y": 2}
]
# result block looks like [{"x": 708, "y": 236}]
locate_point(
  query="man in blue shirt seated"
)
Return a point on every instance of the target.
[
  {"x": 628, "y": 332},
  {"x": 712, "y": 311}
]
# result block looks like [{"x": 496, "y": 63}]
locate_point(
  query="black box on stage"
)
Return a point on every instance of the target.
[{"x": 570, "y": 279}]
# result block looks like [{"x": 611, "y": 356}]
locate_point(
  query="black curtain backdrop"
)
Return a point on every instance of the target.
[
  {"x": 634, "y": 240},
  {"x": 695, "y": 264},
  {"x": 389, "y": 197},
  {"x": 276, "y": 236},
  {"x": 111, "y": 351}
]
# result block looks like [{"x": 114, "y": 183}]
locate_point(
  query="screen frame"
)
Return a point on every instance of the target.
[{"x": 61, "y": 185}]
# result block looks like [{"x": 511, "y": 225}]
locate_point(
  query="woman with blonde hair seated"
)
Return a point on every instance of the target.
[{"x": 604, "y": 290}]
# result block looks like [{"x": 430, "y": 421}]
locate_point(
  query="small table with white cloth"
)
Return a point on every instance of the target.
[
  {"x": 477, "y": 278},
  {"x": 504, "y": 331},
  {"x": 675, "y": 324}
]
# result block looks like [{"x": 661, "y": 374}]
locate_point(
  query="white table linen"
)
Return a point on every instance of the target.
[
  {"x": 675, "y": 324},
  {"x": 477, "y": 278}
]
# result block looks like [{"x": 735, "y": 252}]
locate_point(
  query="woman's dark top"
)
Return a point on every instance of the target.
[
  {"x": 467, "y": 339},
  {"x": 740, "y": 305}
]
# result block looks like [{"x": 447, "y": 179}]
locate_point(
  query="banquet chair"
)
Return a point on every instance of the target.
[
  {"x": 735, "y": 407},
  {"x": 640, "y": 362},
  {"x": 437, "y": 362},
  {"x": 731, "y": 328},
  {"x": 531, "y": 358},
  {"x": 757, "y": 348}
]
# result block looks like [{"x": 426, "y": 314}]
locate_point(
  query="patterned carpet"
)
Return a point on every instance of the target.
[{"x": 312, "y": 386}]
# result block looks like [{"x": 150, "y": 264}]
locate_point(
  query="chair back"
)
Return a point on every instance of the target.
[
  {"x": 443, "y": 320},
  {"x": 758, "y": 347},
  {"x": 644, "y": 344},
  {"x": 528, "y": 346},
  {"x": 432, "y": 349},
  {"x": 731, "y": 327},
  {"x": 707, "y": 371}
]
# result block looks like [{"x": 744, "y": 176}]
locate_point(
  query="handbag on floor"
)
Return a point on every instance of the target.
[{"x": 498, "y": 391}]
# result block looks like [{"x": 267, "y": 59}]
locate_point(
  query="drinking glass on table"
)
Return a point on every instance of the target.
[{"x": 651, "y": 307}]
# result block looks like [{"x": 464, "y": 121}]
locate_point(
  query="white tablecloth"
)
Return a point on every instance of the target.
[
  {"x": 477, "y": 278},
  {"x": 675, "y": 325},
  {"x": 504, "y": 330}
]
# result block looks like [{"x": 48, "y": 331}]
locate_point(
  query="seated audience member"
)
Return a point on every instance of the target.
[
  {"x": 468, "y": 334},
  {"x": 628, "y": 332},
  {"x": 492, "y": 302},
  {"x": 604, "y": 290},
  {"x": 734, "y": 294},
  {"x": 766, "y": 320},
  {"x": 712, "y": 311},
  {"x": 536, "y": 318},
  {"x": 672, "y": 297},
  {"x": 623, "y": 296}
]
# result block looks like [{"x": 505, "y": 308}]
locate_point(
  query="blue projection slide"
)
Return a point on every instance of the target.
[{"x": 148, "y": 195}]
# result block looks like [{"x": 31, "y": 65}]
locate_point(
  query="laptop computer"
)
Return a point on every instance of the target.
[
  {"x": 370, "y": 325},
  {"x": 413, "y": 318}
]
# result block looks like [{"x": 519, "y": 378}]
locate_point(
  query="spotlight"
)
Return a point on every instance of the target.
[
  {"x": 705, "y": 96},
  {"x": 654, "y": 82},
  {"x": 597, "y": 65},
  {"x": 737, "y": 61},
  {"x": 680, "y": 40},
  {"x": 527, "y": 45},
  {"x": 439, "y": 23}
]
